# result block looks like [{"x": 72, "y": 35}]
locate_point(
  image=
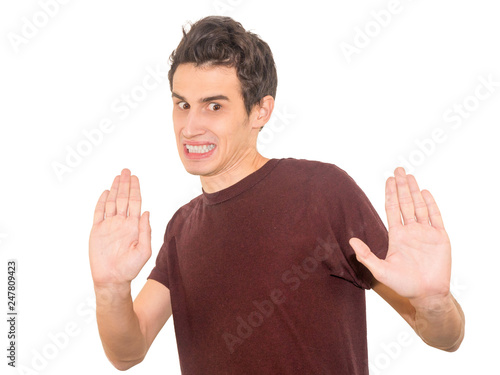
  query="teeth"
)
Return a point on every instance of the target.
[{"x": 200, "y": 149}]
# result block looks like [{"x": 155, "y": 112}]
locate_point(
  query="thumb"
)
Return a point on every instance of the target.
[
  {"x": 365, "y": 256},
  {"x": 145, "y": 232}
]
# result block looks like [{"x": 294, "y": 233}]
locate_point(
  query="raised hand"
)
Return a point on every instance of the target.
[
  {"x": 120, "y": 239},
  {"x": 418, "y": 262}
]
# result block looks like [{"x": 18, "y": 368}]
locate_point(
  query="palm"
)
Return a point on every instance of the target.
[
  {"x": 418, "y": 261},
  {"x": 120, "y": 240}
]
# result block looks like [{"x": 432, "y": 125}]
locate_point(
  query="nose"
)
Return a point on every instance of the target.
[{"x": 193, "y": 125}]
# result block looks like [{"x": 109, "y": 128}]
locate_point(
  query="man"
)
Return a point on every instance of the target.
[{"x": 265, "y": 271}]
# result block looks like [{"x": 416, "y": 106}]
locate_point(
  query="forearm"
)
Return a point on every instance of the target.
[
  {"x": 123, "y": 341},
  {"x": 440, "y": 323}
]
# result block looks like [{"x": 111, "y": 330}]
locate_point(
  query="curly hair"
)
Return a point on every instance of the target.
[{"x": 221, "y": 41}]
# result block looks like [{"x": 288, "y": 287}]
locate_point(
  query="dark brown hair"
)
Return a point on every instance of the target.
[{"x": 221, "y": 41}]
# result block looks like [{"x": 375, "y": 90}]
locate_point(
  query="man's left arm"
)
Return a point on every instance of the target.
[
  {"x": 414, "y": 278},
  {"x": 440, "y": 325}
]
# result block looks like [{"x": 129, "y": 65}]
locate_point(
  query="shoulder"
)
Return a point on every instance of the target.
[
  {"x": 182, "y": 215},
  {"x": 315, "y": 173},
  {"x": 320, "y": 183},
  {"x": 185, "y": 211}
]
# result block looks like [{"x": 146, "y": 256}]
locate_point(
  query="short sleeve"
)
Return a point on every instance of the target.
[
  {"x": 160, "y": 270},
  {"x": 352, "y": 215}
]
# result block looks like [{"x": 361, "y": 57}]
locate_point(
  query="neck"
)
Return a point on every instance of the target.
[{"x": 236, "y": 172}]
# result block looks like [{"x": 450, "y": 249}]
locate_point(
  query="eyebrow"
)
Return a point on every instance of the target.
[{"x": 203, "y": 100}]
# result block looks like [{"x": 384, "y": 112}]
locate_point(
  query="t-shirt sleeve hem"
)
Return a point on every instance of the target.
[{"x": 157, "y": 275}]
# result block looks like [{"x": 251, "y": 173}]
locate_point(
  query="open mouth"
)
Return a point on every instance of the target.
[
  {"x": 195, "y": 152},
  {"x": 199, "y": 149}
]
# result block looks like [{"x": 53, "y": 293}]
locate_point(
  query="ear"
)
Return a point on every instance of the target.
[{"x": 262, "y": 111}]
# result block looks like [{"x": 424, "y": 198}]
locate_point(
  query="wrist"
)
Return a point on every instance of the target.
[
  {"x": 433, "y": 305},
  {"x": 106, "y": 293},
  {"x": 439, "y": 321}
]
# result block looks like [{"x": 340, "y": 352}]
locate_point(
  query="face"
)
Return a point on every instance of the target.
[{"x": 212, "y": 128}]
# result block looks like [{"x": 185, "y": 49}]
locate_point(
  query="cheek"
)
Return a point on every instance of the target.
[
  {"x": 178, "y": 121},
  {"x": 220, "y": 126}
]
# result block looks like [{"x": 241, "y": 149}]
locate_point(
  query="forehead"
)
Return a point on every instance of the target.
[{"x": 198, "y": 81}]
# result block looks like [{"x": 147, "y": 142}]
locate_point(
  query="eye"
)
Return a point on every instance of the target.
[
  {"x": 214, "y": 107},
  {"x": 183, "y": 105}
]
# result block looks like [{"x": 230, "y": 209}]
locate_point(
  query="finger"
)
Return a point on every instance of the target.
[
  {"x": 367, "y": 258},
  {"x": 111, "y": 200},
  {"x": 123, "y": 193},
  {"x": 418, "y": 201},
  {"x": 145, "y": 234},
  {"x": 404, "y": 195},
  {"x": 134, "y": 201},
  {"x": 99, "y": 208},
  {"x": 392, "y": 204},
  {"x": 434, "y": 214}
]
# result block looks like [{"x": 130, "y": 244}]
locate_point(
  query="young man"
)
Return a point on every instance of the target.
[{"x": 265, "y": 271}]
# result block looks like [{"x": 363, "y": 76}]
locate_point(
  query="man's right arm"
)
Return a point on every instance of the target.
[
  {"x": 127, "y": 329},
  {"x": 119, "y": 247}
]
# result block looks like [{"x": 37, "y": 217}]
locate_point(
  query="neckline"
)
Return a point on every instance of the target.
[{"x": 241, "y": 186}]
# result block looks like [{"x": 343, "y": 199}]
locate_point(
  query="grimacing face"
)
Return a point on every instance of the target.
[{"x": 212, "y": 128}]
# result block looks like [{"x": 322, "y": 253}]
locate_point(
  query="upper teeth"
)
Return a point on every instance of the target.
[{"x": 199, "y": 149}]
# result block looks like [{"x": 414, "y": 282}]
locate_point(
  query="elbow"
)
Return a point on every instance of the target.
[
  {"x": 461, "y": 336},
  {"x": 455, "y": 346},
  {"x": 450, "y": 349},
  {"x": 122, "y": 366},
  {"x": 125, "y": 365},
  {"x": 124, "y": 361}
]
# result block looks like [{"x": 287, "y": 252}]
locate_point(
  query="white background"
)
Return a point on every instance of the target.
[{"x": 365, "y": 112}]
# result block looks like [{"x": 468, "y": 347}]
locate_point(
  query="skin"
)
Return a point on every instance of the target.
[
  {"x": 223, "y": 122},
  {"x": 208, "y": 108},
  {"x": 414, "y": 278}
]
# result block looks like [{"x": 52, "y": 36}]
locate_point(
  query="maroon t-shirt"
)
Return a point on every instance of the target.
[{"x": 262, "y": 277}]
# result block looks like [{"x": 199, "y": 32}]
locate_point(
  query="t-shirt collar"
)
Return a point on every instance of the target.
[{"x": 241, "y": 186}]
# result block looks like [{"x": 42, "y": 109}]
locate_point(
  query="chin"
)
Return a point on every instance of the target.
[{"x": 196, "y": 168}]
